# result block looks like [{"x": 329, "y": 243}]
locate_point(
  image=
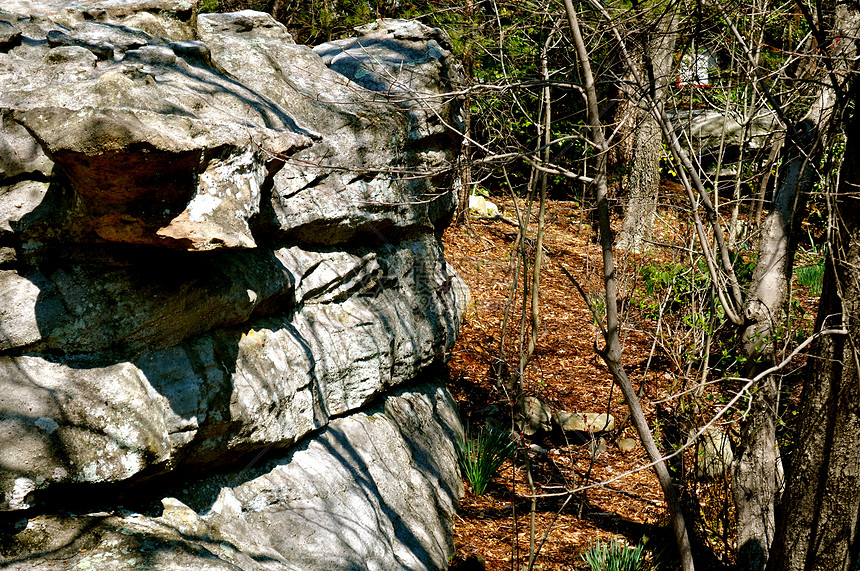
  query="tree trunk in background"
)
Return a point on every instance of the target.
[
  {"x": 612, "y": 355},
  {"x": 465, "y": 188},
  {"x": 757, "y": 478},
  {"x": 817, "y": 520},
  {"x": 644, "y": 177},
  {"x": 623, "y": 127},
  {"x": 468, "y": 61}
]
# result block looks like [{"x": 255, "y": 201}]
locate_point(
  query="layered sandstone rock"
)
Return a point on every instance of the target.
[{"x": 220, "y": 250}]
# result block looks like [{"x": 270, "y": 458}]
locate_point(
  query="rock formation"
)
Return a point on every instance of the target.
[{"x": 224, "y": 306}]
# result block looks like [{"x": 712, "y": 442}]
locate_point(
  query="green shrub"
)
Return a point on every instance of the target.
[
  {"x": 682, "y": 282},
  {"x": 482, "y": 453},
  {"x": 616, "y": 555}
]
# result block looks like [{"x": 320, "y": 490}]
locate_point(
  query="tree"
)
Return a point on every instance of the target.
[
  {"x": 658, "y": 36},
  {"x": 758, "y": 473},
  {"x": 612, "y": 354},
  {"x": 817, "y": 524},
  {"x": 818, "y": 516},
  {"x": 759, "y": 468}
]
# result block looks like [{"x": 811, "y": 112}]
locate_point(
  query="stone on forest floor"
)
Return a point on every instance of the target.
[
  {"x": 597, "y": 447},
  {"x": 714, "y": 454},
  {"x": 584, "y": 422},
  {"x": 534, "y": 416},
  {"x": 626, "y": 444},
  {"x": 481, "y": 207}
]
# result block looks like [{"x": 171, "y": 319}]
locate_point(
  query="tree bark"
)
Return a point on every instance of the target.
[
  {"x": 644, "y": 179},
  {"x": 817, "y": 521},
  {"x": 758, "y": 471},
  {"x": 816, "y": 525},
  {"x": 623, "y": 127},
  {"x": 465, "y": 189}
]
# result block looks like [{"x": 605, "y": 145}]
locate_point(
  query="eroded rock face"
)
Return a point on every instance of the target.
[
  {"x": 213, "y": 243},
  {"x": 374, "y": 490}
]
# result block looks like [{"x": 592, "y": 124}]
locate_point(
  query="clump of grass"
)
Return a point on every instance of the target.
[
  {"x": 481, "y": 453},
  {"x": 812, "y": 277},
  {"x": 615, "y": 555}
]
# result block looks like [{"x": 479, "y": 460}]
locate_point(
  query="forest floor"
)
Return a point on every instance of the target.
[{"x": 566, "y": 374}]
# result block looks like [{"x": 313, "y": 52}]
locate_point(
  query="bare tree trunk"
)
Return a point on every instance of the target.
[
  {"x": 644, "y": 181},
  {"x": 757, "y": 477},
  {"x": 816, "y": 524},
  {"x": 817, "y": 521},
  {"x": 612, "y": 353},
  {"x": 462, "y": 215},
  {"x": 465, "y": 189},
  {"x": 623, "y": 127},
  {"x": 758, "y": 471},
  {"x": 541, "y": 180}
]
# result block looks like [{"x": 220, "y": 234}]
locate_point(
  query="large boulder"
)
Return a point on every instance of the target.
[
  {"x": 218, "y": 247},
  {"x": 373, "y": 490},
  {"x": 717, "y": 138},
  {"x": 592, "y": 422}
]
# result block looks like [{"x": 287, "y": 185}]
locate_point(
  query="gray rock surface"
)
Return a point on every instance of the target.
[
  {"x": 584, "y": 421},
  {"x": 533, "y": 416},
  {"x": 627, "y": 444},
  {"x": 375, "y": 490},
  {"x": 707, "y": 129},
  {"x": 215, "y": 244},
  {"x": 319, "y": 196},
  {"x": 714, "y": 453}
]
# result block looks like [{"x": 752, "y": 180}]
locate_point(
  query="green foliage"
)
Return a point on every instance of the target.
[
  {"x": 599, "y": 304},
  {"x": 482, "y": 453},
  {"x": 679, "y": 285},
  {"x": 317, "y": 21},
  {"x": 615, "y": 555},
  {"x": 811, "y": 273},
  {"x": 231, "y": 5},
  {"x": 676, "y": 284},
  {"x": 206, "y": 6},
  {"x": 657, "y": 277},
  {"x": 744, "y": 268},
  {"x": 694, "y": 328}
]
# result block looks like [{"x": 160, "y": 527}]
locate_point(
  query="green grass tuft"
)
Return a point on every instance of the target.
[
  {"x": 616, "y": 555},
  {"x": 482, "y": 453},
  {"x": 811, "y": 277}
]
